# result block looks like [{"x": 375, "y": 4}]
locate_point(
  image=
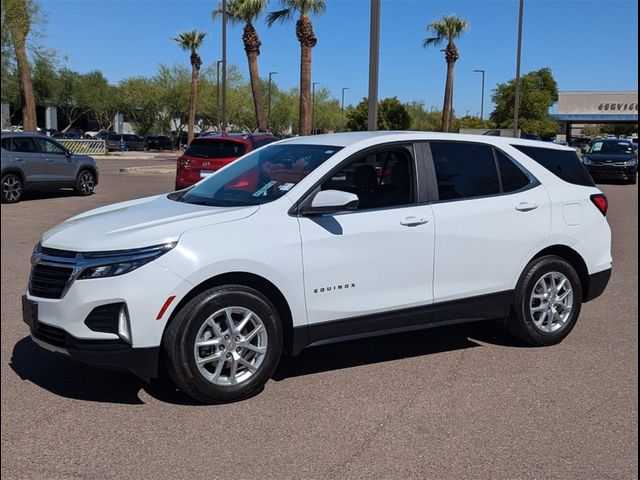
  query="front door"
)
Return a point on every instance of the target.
[
  {"x": 376, "y": 259},
  {"x": 27, "y": 156},
  {"x": 62, "y": 168}
]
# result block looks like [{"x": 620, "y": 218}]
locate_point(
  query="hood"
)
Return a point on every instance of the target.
[
  {"x": 137, "y": 223},
  {"x": 610, "y": 157}
]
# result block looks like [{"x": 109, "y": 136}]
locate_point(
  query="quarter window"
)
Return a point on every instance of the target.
[
  {"x": 464, "y": 170},
  {"x": 513, "y": 178},
  {"x": 379, "y": 179}
]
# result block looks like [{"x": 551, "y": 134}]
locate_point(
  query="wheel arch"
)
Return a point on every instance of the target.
[
  {"x": 574, "y": 259},
  {"x": 89, "y": 167},
  {"x": 251, "y": 280},
  {"x": 16, "y": 171}
]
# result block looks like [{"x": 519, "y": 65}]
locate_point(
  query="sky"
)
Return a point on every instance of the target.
[{"x": 588, "y": 44}]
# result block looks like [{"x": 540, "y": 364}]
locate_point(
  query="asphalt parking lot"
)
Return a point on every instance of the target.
[{"x": 463, "y": 402}]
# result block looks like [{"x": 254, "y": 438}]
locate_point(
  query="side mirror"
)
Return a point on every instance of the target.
[
  {"x": 330, "y": 201},
  {"x": 68, "y": 153}
]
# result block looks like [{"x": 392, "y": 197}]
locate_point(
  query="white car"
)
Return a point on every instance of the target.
[{"x": 313, "y": 240}]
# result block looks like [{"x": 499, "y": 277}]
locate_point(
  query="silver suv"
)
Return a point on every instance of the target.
[{"x": 31, "y": 161}]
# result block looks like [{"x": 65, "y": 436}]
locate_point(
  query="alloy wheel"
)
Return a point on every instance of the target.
[{"x": 551, "y": 302}]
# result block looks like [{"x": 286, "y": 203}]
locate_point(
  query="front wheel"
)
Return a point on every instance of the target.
[
  {"x": 85, "y": 183},
  {"x": 11, "y": 188},
  {"x": 547, "y": 302},
  {"x": 224, "y": 344}
]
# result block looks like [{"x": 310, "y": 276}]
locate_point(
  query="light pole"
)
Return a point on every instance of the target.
[
  {"x": 482, "y": 97},
  {"x": 313, "y": 107},
  {"x": 218, "y": 93},
  {"x": 224, "y": 65},
  {"x": 271, "y": 74},
  {"x": 374, "y": 64},
  {"x": 516, "y": 106},
  {"x": 344, "y": 89}
]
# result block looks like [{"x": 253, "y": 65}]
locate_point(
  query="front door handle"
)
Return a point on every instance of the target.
[
  {"x": 413, "y": 221},
  {"x": 526, "y": 206}
]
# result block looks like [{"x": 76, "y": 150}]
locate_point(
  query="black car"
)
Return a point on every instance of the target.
[
  {"x": 127, "y": 142},
  {"x": 70, "y": 135},
  {"x": 612, "y": 159},
  {"x": 158, "y": 142}
]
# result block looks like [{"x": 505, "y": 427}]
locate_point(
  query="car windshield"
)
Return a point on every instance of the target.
[
  {"x": 215, "y": 149},
  {"x": 611, "y": 147},
  {"x": 259, "y": 177}
]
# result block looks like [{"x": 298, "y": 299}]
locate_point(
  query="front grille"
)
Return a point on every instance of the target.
[
  {"x": 54, "y": 252},
  {"x": 52, "y": 335},
  {"x": 48, "y": 281}
]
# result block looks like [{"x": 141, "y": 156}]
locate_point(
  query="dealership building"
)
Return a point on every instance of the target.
[{"x": 577, "y": 109}]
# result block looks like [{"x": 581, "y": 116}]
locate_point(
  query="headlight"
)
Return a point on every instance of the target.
[
  {"x": 632, "y": 162},
  {"x": 112, "y": 264},
  {"x": 586, "y": 161}
]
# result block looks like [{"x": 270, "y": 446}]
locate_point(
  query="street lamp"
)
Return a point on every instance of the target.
[
  {"x": 374, "y": 64},
  {"x": 218, "y": 63},
  {"x": 344, "y": 89},
  {"x": 271, "y": 74},
  {"x": 224, "y": 65},
  {"x": 313, "y": 107},
  {"x": 482, "y": 97},
  {"x": 516, "y": 106}
]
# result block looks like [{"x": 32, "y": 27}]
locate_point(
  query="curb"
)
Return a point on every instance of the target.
[{"x": 150, "y": 169}]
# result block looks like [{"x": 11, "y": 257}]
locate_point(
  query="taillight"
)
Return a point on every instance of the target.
[
  {"x": 601, "y": 203},
  {"x": 183, "y": 163}
]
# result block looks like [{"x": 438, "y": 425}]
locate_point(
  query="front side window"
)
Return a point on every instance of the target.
[
  {"x": 464, "y": 170},
  {"x": 24, "y": 145},
  {"x": 379, "y": 179},
  {"x": 259, "y": 177},
  {"x": 215, "y": 149},
  {"x": 49, "y": 146}
]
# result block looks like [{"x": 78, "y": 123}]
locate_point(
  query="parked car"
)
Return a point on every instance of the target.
[
  {"x": 300, "y": 243},
  {"x": 612, "y": 159},
  {"x": 32, "y": 161},
  {"x": 158, "y": 142},
  {"x": 209, "y": 153},
  {"x": 113, "y": 142},
  {"x": 68, "y": 135}
]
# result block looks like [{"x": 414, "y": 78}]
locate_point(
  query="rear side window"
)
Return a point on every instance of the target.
[
  {"x": 6, "y": 144},
  {"x": 215, "y": 149},
  {"x": 513, "y": 178},
  {"x": 562, "y": 163},
  {"x": 464, "y": 170},
  {"x": 24, "y": 145},
  {"x": 113, "y": 137}
]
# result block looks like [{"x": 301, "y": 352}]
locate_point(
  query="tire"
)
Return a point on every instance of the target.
[
  {"x": 12, "y": 188},
  {"x": 527, "y": 320},
  {"x": 210, "y": 382},
  {"x": 85, "y": 183},
  {"x": 633, "y": 180}
]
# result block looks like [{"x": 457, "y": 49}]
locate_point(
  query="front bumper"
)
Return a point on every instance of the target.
[
  {"x": 612, "y": 172},
  {"x": 112, "y": 354}
]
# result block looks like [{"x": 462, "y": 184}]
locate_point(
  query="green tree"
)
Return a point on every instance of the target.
[
  {"x": 422, "y": 120},
  {"x": 17, "y": 19},
  {"x": 538, "y": 93},
  {"x": 447, "y": 29},
  {"x": 619, "y": 129},
  {"x": 247, "y": 12},
  {"x": 191, "y": 41},
  {"x": 469, "y": 121},
  {"x": 308, "y": 40},
  {"x": 392, "y": 115},
  {"x": 142, "y": 103}
]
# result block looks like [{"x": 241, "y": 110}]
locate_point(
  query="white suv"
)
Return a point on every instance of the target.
[{"x": 318, "y": 239}]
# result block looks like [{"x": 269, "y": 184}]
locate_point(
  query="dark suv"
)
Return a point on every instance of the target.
[
  {"x": 31, "y": 161},
  {"x": 209, "y": 153},
  {"x": 158, "y": 142},
  {"x": 130, "y": 142},
  {"x": 612, "y": 159}
]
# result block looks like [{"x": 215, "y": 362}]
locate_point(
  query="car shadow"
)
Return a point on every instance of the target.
[
  {"x": 47, "y": 194},
  {"x": 67, "y": 378}
]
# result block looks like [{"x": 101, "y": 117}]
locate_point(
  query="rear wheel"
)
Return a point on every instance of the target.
[
  {"x": 11, "y": 188},
  {"x": 85, "y": 183},
  {"x": 224, "y": 345},
  {"x": 546, "y": 303}
]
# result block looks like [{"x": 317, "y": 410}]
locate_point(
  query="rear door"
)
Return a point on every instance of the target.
[
  {"x": 491, "y": 215},
  {"x": 27, "y": 156},
  {"x": 61, "y": 168}
]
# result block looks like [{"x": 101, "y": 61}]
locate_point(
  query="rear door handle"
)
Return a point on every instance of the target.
[
  {"x": 526, "y": 206},
  {"x": 413, "y": 221}
]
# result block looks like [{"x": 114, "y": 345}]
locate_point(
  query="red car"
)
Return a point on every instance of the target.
[{"x": 209, "y": 153}]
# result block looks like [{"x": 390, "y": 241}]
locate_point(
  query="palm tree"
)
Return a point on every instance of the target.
[
  {"x": 247, "y": 12},
  {"x": 191, "y": 41},
  {"x": 18, "y": 16},
  {"x": 307, "y": 39},
  {"x": 448, "y": 28}
]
